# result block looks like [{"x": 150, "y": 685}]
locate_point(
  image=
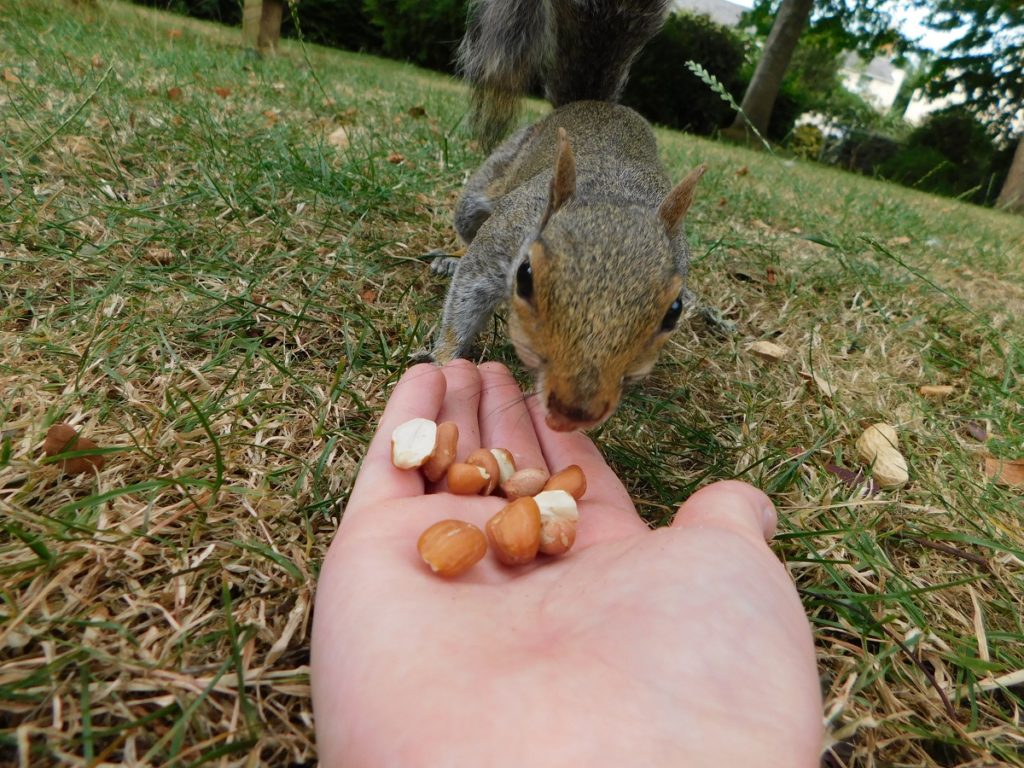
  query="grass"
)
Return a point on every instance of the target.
[{"x": 198, "y": 279}]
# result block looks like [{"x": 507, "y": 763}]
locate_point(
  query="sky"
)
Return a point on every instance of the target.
[{"x": 911, "y": 21}]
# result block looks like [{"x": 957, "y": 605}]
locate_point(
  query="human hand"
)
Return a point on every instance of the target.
[{"x": 682, "y": 646}]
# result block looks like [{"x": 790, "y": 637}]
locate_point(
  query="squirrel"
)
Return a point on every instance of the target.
[{"x": 571, "y": 220}]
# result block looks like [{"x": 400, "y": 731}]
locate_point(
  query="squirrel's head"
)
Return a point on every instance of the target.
[{"x": 596, "y": 294}]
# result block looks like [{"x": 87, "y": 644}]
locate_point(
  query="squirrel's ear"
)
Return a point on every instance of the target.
[
  {"x": 563, "y": 183},
  {"x": 677, "y": 202}
]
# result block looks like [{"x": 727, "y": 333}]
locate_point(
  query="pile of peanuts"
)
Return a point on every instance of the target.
[{"x": 541, "y": 515}]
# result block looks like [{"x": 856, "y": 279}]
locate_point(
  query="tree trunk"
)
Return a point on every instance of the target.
[
  {"x": 771, "y": 68},
  {"x": 270, "y": 26},
  {"x": 251, "y": 12},
  {"x": 1011, "y": 197}
]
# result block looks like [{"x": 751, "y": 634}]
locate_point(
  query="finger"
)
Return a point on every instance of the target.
[
  {"x": 462, "y": 404},
  {"x": 730, "y": 505},
  {"x": 617, "y": 515},
  {"x": 504, "y": 420},
  {"x": 418, "y": 394}
]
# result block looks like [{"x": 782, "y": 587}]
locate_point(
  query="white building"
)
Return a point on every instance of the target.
[{"x": 877, "y": 81}]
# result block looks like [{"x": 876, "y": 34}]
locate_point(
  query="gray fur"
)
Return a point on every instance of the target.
[{"x": 579, "y": 49}]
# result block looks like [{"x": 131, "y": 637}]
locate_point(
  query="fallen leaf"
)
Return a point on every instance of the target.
[
  {"x": 977, "y": 430},
  {"x": 394, "y": 158},
  {"x": 853, "y": 479},
  {"x": 271, "y": 116},
  {"x": 97, "y": 62},
  {"x": 10, "y": 77},
  {"x": 338, "y": 138},
  {"x": 937, "y": 391},
  {"x": 742, "y": 170},
  {"x": 161, "y": 256},
  {"x": 368, "y": 295},
  {"x": 222, "y": 92},
  {"x": 826, "y": 389},
  {"x": 63, "y": 438},
  {"x": 417, "y": 111},
  {"x": 768, "y": 350},
  {"x": 174, "y": 93},
  {"x": 753, "y": 274},
  {"x": 1005, "y": 471}
]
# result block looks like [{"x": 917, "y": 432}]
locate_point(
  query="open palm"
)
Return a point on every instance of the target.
[{"x": 684, "y": 646}]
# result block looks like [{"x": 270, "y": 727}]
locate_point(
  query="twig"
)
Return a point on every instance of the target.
[
  {"x": 951, "y": 550},
  {"x": 950, "y": 712}
]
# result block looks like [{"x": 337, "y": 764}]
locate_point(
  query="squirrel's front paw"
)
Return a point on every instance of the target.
[
  {"x": 424, "y": 355},
  {"x": 717, "y": 321},
  {"x": 445, "y": 266}
]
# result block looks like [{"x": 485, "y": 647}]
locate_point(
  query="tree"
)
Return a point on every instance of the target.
[
  {"x": 984, "y": 68},
  {"x": 839, "y": 25},
  {"x": 756, "y": 108}
]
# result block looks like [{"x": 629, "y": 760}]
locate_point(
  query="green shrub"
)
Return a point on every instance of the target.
[
  {"x": 425, "y": 32},
  {"x": 807, "y": 141},
  {"x": 662, "y": 89},
  {"x": 949, "y": 154}
]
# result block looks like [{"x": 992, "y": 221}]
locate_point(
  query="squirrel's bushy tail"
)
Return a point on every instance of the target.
[{"x": 580, "y": 49}]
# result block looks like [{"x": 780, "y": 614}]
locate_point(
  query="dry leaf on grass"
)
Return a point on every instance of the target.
[
  {"x": 823, "y": 386},
  {"x": 936, "y": 391},
  {"x": 395, "y": 158},
  {"x": 63, "y": 438},
  {"x": 768, "y": 350},
  {"x": 977, "y": 430},
  {"x": 853, "y": 479},
  {"x": 10, "y": 77},
  {"x": 753, "y": 274},
  {"x": 338, "y": 138},
  {"x": 1009, "y": 472},
  {"x": 222, "y": 92},
  {"x": 174, "y": 93}
]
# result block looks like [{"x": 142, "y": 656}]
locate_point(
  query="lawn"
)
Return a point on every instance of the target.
[{"x": 211, "y": 265}]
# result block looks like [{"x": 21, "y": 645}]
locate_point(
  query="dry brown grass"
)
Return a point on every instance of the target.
[{"x": 222, "y": 300}]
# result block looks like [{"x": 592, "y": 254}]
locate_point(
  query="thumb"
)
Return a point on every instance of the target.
[{"x": 730, "y": 505}]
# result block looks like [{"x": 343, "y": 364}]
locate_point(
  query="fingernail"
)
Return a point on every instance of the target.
[{"x": 769, "y": 520}]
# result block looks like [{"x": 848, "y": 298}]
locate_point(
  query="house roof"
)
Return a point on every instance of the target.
[{"x": 720, "y": 11}]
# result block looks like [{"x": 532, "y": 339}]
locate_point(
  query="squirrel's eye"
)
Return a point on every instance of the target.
[
  {"x": 524, "y": 280},
  {"x": 668, "y": 323}
]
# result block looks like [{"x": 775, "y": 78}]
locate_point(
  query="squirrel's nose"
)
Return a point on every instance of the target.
[{"x": 564, "y": 417}]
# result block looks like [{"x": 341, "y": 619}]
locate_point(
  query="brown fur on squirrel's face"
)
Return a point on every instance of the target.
[{"x": 588, "y": 331}]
